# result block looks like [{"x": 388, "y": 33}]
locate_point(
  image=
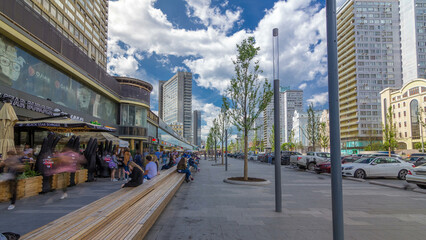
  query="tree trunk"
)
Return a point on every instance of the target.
[
  {"x": 215, "y": 151},
  {"x": 222, "y": 152},
  {"x": 245, "y": 155}
]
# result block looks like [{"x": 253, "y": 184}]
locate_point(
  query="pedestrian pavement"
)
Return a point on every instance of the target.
[
  {"x": 208, "y": 208},
  {"x": 34, "y": 212}
]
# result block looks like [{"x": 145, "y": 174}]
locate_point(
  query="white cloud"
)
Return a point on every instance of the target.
[
  {"x": 318, "y": 99},
  {"x": 303, "y": 86},
  {"x": 208, "y": 52},
  {"x": 212, "y": 16}
]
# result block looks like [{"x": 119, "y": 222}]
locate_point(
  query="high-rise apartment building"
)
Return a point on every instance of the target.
[
  {"x": 290, "y": 100},
  {"x": 83, "y": 22},
  {"x": 413, "y": 39},
  {"x": 369, "y": 60},
  {"x": 293, "y": 100},
  {"x": 176, "y": 102},
  {"x": 196, "y": 128},
  {"x": 268, "y": 122}
]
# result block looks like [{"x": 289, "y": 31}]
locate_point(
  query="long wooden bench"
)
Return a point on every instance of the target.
[{"x": 125, "y": 214}]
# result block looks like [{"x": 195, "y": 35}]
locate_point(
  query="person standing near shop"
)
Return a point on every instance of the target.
[
  {"x": 158, "y": 154},
  {"x": 13, "y": 167},
  {"x": 138, "y": 159},
  {"x": 126, "y": 159}
]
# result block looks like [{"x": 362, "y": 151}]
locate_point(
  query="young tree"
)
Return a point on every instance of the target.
[
  {"x": 209, "y": 142},
  {"x": 248, "y": 96},
  {"x": 224, "y": 126},
  {"x": 216, "y": 136},
  {"x": 389, "y": 132},
  {"x": 312, "y": 129},
  {"x": 324, "y": 139},
  {"x": 290, "y": 142}
]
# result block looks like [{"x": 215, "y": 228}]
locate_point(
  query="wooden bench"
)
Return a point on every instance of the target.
[{"x": 128, "y": 213}]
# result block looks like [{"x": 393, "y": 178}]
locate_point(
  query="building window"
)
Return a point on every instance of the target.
[
  {"x": 400, "y": 135},
  {"x": 405, "y": 113},
  {"x": 399, "y": 114},
  {"x": 403, "y": 104},
  {"x": 405, "y": 124},
  {"x": 399, "y": 124},
  {"x": 405, "y": 134},
  {"x": 399, "y": 105},
  {"x": 415, "y": 126}
]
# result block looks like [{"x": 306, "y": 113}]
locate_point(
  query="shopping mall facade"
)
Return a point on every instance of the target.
[{"x": 42, "y": 71}]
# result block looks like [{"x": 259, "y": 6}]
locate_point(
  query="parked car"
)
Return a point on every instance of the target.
[
  {"x": 325, "y": 167},
  {"x": 310, "y": 160},
  {"x": 261, "y": 156},
  {"x": 285, "y": 157},
  {"x": 252, "y": 157},
  {"x": 417, "y": 176},
  {"x": 377, "y": 167}
]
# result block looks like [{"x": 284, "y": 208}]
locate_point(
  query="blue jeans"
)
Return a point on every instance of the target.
[
  {"x": 270, "y": 160},
  {"x": 195, "y": 166},
  {"x": 126, "y": 169},
  {"x": 187, "y": 172}
]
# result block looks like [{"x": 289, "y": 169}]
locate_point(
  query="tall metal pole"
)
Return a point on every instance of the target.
[
  {"x": 278, "y": 201},
  {"x": 333, "y": 98},
  {"x": 226, "y": 149}
]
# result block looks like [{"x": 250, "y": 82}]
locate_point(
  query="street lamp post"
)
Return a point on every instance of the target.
[
  {"x": 333, "y": 98},
  {"x": 278, "y": 200}
]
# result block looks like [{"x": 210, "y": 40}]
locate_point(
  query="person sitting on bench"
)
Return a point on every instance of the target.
[
  {"x": 151, "y": 169},
  {"x": 136, "y": 175},
  {"x": 182, "y": 167}
]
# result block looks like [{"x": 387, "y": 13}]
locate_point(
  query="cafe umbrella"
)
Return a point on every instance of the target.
[{"x": 8, "y": 119}]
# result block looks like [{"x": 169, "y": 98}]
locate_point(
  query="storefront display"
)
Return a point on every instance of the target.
[{"x": 25, "y": 72}]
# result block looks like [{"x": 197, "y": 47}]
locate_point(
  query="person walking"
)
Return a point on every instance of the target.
[
  {"x": 270, "y": 158},
  {"x": 13, "y": 167}
]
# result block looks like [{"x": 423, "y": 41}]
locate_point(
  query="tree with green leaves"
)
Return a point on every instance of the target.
[
  {"x": 389, "y": 132},
  {"x": 291, "y": 143},
  {"x": 324, "y": 139},
  {"x": 209, "y": 142},
  {"x": 224, "y": 124},
  {"x": 312, "y": 128},
  {"x": 216, "y": 136},
  {"x": 247, "y": 95}
]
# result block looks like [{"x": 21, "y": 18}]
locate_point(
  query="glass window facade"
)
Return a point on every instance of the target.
[
  {"x": 132, "y": 115},
  {"x": 164, "y": 136},
  {"x": 24, "y": 72}
]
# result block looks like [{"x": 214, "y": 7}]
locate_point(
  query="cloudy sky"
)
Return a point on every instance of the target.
[{"x": 153, "y": 39}]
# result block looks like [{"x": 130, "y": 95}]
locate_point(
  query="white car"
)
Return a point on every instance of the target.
[
  {"x": 418, "y": 176},
  {"x": 377, "y": 167},
  {"x": 252, "y": 157}
]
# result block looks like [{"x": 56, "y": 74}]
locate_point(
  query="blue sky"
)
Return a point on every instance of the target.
[{"x": 152, "y": 39}]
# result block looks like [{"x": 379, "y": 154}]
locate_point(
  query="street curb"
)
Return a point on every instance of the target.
[
  {"x": 219, "y": 164},
  {"x": 355, "y": 179},
  {"x": 419, "y": 190},
  {"x": 247, "y": 183},
  {"x": 386, "y": 184}
]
